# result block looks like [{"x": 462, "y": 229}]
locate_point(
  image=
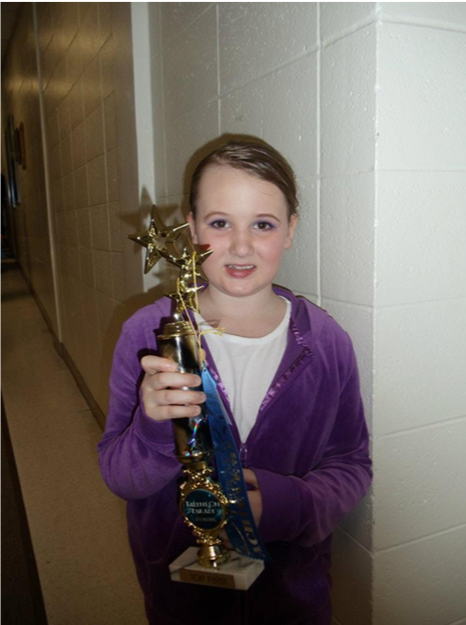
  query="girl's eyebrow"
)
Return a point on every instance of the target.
[
  {"x": 268, "y": 216},
  {"x": 215, "y": 214},
  {"x": 260, "y": 216}
]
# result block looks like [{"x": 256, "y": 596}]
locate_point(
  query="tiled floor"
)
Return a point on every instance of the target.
[{"x": 77, "y": 525}]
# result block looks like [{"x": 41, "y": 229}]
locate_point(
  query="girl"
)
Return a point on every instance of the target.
[{"x": 288, "y": 378}]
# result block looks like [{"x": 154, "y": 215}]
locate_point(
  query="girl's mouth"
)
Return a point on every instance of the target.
[{"x": 239, "y": 271}]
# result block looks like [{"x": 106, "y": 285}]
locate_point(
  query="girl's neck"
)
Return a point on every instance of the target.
[{"x": 253, "y": 316}]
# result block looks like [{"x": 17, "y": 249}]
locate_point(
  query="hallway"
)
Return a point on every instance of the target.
[{"x": 77, "y": 525}]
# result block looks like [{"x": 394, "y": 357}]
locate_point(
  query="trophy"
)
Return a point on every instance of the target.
[{"x": 203, "y": 444}]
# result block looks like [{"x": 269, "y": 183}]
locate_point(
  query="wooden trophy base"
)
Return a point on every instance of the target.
[{"x": 238, "y": 573}]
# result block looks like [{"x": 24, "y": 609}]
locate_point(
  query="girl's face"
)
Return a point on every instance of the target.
[{"x": 245, "y": 222}]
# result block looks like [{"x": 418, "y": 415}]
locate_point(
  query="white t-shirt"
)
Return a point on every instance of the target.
[{"x": 247, "y": 367}]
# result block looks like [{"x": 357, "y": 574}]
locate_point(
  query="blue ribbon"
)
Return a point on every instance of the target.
[{"x": 241, "y": 527}]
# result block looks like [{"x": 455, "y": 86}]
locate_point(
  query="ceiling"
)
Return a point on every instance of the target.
[{"x": 10, "y": 12}]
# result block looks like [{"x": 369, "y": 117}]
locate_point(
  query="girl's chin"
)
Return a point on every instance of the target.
[{"x": 238, "y": 288}]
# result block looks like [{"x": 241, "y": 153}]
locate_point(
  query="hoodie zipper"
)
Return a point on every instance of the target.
[{"x": 243, "y": 455}]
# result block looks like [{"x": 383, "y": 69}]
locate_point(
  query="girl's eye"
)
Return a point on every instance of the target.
[
  {"x": 264, "y": 225},
  {"x": 219, "y": 224}
]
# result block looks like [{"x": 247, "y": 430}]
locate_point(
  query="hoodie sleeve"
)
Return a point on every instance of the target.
[
  {"x": 136, "y": 453},
  {"x": 307, "y": 509}
]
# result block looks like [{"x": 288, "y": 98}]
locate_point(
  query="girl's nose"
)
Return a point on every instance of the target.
[{"x": 241, "y": 243}]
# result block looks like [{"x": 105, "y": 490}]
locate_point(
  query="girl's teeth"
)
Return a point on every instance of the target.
[{"x": 240, "y": 267}]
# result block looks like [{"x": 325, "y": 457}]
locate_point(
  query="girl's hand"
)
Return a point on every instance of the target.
[{"x": 166, "y": 392}]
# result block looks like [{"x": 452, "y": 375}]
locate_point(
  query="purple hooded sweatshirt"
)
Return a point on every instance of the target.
[{"x": 308, "y": 449}]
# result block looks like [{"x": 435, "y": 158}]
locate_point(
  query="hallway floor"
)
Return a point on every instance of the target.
[{"x": 77, "y": 526}]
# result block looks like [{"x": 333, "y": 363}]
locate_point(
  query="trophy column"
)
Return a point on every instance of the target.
[{"x": 203, "y": 505}]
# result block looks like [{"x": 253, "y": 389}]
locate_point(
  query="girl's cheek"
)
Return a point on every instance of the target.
[
  {"x": 210, "y": 236},
  {"x": 202, "y": 236}
]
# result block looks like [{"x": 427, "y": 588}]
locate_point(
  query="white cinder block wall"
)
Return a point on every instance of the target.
[
  {"x": 366, "y": 100},
  {"x": 347, "y": 129},
  {"x": 419, "y": 398}
]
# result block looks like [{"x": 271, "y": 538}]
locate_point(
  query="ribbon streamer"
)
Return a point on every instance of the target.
[{"x": 241, "y": 527}]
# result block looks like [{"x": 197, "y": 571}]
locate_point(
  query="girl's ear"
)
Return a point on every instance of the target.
[
  {"x": 192, "y": 227},
  {"x": 291, "y": 230}
]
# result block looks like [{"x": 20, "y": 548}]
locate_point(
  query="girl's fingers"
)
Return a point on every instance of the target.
[
  {"x": 255, "y": 501},
  {"x": 170, "y": 380},
  {"x": 165, "y": 413},
  {"x": 167, "y": 393},
  {"x": 156, "y": 364},
  {"x": 250, "y": 478},
  {"x": 170, "y": 397}
]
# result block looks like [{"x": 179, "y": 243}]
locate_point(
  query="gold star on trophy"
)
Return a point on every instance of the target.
[
  {"x": 159, "y": 242},
  {"x": 156, "y": 237}
]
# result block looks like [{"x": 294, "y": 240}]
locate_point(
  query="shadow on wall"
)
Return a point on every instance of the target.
[{"x": 121, "y": 312}]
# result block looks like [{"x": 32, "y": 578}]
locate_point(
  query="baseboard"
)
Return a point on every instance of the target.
[{"x": 94, "y": 407}]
